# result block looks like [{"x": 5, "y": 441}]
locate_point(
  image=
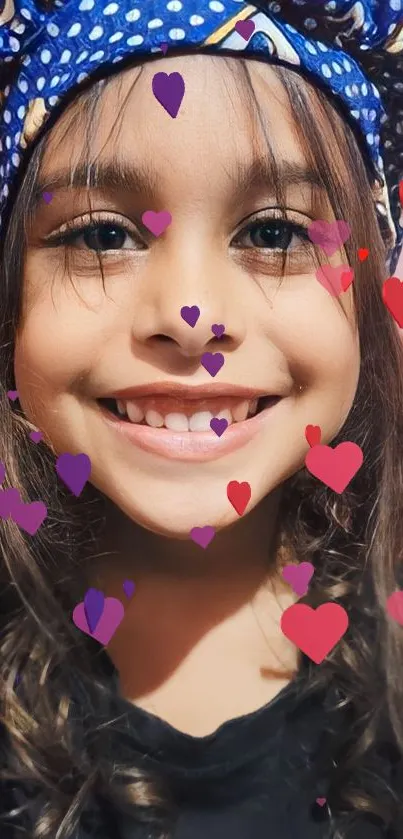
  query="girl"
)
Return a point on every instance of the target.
[{"x": 159, "y": 272}]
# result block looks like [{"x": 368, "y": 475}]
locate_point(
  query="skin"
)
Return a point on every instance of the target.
[{"x": 200, "y": 642}]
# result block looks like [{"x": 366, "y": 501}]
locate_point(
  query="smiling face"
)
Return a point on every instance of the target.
[{"x": 80, "y": 344}]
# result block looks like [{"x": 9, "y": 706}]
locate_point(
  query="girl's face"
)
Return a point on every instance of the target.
[{"x": 79, "y": 343}]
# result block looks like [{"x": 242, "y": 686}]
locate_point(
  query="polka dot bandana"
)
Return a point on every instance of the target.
[{"x": 352, "y": 49}]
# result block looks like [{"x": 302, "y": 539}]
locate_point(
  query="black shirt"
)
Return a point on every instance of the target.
[{"x": 256, "y": 777}]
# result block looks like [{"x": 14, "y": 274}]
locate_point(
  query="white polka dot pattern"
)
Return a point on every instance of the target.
[{"x": 354, "y": 50}]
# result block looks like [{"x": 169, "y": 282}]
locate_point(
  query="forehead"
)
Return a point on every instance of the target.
[{"x": 218, "y": 121}]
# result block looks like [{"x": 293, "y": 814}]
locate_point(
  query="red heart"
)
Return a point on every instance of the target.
[
  {"x": 321, "y": 802},
  {"x": 239, "y": 495},
  {"x": 335, "y": 467},
  {"x": 362, "y": 254},
  {"x": 347, "y": 278},
  {"x": 314, "y": 631},
  {"x": 313, "y": 435},
  {"x": 392, "y": 295},
  {"x": 394, "y": 606},
  {"x": 401, "y": 192}
]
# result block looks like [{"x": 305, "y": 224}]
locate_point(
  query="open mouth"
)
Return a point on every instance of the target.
[{"x": 182, "y": 415}]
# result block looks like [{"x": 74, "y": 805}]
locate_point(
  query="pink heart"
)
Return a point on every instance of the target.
[
  {"x": 329, "y": 235},
  {"x": 335, "y": 467},
  {"x": 12, "y": 394},
  {"x": 36, "y": 436},
  {"x": 394, "y": 606},
  {"x": 218, "y": 329},
  {"x": 299, "y": 576},
  {"x": 156, "y": 222},
  {"x": 9, "y": 501},
  {"x": 321, "y": 801},
  {"x": 202, "y": 535},
  {"x": 335, "y": 279},
  {"x": 245, "y": 28},
  {"x": 2, "y": 472},
  {"x": 108, "y": 623}
]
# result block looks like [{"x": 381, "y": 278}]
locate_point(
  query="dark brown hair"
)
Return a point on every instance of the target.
[{"x": 62, "y": 751}]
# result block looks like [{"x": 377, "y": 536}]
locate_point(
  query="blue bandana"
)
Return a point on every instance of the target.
[{"x": 352, "y": 50}]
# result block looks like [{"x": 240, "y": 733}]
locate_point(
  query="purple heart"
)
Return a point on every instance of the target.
[
  {"x": 12, "y": 394},
  {"x": 164, "y": 47},
  {"x": 218, "y": 425},
  {"x": 112, "y": 616},
  {"x": 190, "y": 314},
  {"x": 94, "y": 601},
  {"x": 245, "y": 28},
  {"x": 299, "y": 576},
  {"x": 202, "y": 535},
  {"x": 47, "y": 196},
  {"x": 2, "y": 472},
  {"x": 212, "y": 362},
  {"x": 10, "y": 500},
  {"x": 74, "y": 470},
  {"x": 30, "y": 516},
  {"x": 36, "y": 436},
  {"x": 169, "y": 90},
  {"x": 128, "y": 587},
  {"x": 218, "y": 329}
]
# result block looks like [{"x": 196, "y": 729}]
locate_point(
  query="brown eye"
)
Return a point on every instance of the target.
[
  {"x": 104, "y": 237},
  {"x": 271, "y": 234}
]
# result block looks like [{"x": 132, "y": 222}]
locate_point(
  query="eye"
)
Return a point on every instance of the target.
[
  {"x": 272, "y": 234},
  {"x": 97, "y": 236}
]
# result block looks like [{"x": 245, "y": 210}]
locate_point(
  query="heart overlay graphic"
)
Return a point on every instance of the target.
[
  {"x": 299, "y": 577},
  {"x": 202, "y": 536},
  {"x": 239, "y": 495},
  {"x": 245, "y": 28},
  {"x": 335, "y": 467},
  {"x": 112, "y": 615},
  {"x": 74, "y": 470},
  {"x": 330, "y": 235},
  {"x": 394, "y": 606},
  {"x": 392, "y": 295},
  {"x": 314, "y": 631},
  {"x": 212, "y": 362},
  {"x": 335, "y": 279},
  {"x": 157, "y": 223},
  {"x": 218, "y": 425},
  {"x": 190, "y": 314},
  {"x": 28, "y": 516},
  {"x": 169, "y": 91}
]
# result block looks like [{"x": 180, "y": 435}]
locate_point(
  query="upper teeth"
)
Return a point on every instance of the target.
[{"x": 178, "y": 421}]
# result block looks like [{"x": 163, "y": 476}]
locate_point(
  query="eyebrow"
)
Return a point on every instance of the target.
[{"x": 115, "y": 175}]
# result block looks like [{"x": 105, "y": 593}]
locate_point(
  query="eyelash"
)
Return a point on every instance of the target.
[{"x": 74, "y": 231}]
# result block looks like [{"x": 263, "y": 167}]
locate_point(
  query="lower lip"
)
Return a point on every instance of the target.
[{"x": 191, "y": 446}]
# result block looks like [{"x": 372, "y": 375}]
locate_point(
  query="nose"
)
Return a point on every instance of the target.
[{"x": 186, "y": 290}]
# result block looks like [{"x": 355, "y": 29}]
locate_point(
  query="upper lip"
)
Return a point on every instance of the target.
[{"x": 188, "y": 391}]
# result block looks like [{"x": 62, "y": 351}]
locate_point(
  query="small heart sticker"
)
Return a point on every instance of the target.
[
  {"x": 212, "y": 362},
  {"x": 313, "y": 435},
  {"x": 314, "y": 631},
  {"x": 190, "y": 314},
  {"x": 169, "y": 90},
  {"x": 239, "y": 495},
  {"x": 245, "y": 28},
  {"x": 112, "y": 616},
  {"x": 363, "y": 254},
  {"x": 202, "y": 536},
  {"x": 156, "y": 223},
  {"x": 335, "y": 467},
  {"x": 392, "y": 295}
]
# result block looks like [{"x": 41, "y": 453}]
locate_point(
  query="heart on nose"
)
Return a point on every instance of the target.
[
  {"x": 218, "y": 425},
  {"x": 335, "y": 467},
  {"x": 245, "y": 28},
  {"x": 218, "y": 329},
  {"x": 299, "y": 577},
  {"x": 212, "y": 362},
  {"x": 156, "y": 223},
  {"x": 190, "y": 314},
  {"x": 335, "y": 279},
  {"x": 329, "y": 235},
  {"x": 112, "y": 616},
  {"x": 169, "y": 91},
  {"x": 314, "y": 631},
  {"x": 202, "y": 536}
]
